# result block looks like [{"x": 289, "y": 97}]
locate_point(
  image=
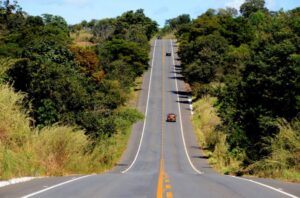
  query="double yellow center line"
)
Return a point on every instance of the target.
[
  {"x": 164, "y": 188},
  {"x": 163, "y": 184}
]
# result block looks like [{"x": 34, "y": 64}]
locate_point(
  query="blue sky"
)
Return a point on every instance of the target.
[{"x": 75, "y": 11}]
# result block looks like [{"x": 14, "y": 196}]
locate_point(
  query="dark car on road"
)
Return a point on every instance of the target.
[
  {"x": 168, "y": 54},
  {"x": 171, "y": 117}
]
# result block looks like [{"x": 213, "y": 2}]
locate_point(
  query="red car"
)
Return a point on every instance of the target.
[{"x": 171, "y": 117}]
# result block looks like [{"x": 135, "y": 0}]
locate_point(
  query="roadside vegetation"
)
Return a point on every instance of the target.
[
  {"x": 64, "y": 90},
  {"x": 244, "y": 72}
]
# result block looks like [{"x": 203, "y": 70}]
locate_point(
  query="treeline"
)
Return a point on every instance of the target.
[
  {"x": 86, "y": 87},
  {"x": 251, "y": 63}
]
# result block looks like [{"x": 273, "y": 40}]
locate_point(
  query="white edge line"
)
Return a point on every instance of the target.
[
  {"x": 72, "y": 180},
  {"x": 145, "y": 121},
  {"x": 16, "y": 181},
  {"x": 55, "y": 186},
  {"x": 267, "y": 186},
  {"x": 181, "y": 128}
]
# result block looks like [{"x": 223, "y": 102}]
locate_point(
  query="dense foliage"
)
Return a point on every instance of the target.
[
  {"x": 254, "y": 58},
  {"x": 70, "y": 84}
]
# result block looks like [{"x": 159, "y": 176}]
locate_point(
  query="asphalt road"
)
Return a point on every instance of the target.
[{"x": 162, "y": 159}]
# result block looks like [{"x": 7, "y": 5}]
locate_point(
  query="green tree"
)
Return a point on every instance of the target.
[
  {"x": 104, "y": 28},
  {"x": 179, "y": 21},
  {"x": 127, "y": 51},
  {"x": 252, "y": 6},
  {"x": 267, "y": 89},
  {"x": 138, "y": 19}
]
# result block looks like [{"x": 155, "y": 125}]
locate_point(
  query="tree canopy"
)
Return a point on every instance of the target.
[
  {"x": 254, "y": 58},
  {"x": 69, "y": 84}
]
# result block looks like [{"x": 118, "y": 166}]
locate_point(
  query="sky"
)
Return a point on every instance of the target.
[{"x": 74, "y": 11}]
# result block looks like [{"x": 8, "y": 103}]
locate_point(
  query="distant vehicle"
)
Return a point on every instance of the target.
[
  {"x": 171, "y": 117},
  {"x": 168, "y": 54},
  {"x": 158, "y": 37}
]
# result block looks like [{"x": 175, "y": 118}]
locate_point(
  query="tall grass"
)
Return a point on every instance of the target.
[
  {"x": 284, "y": 159},
  {"x": 212, "y": 141},
  {"x": 15, "y": 136},
  {"x": 82, "y": 38},
  {"x": 61, "y": 150},
  {"x": 56, "y": 150},
  {"x": 205, "y": 121}
]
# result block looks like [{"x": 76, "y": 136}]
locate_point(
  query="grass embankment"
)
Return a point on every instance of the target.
[
  {"x": 282, "y": 163},
  {"x": 170, "y": 35},
  {"x": 212, "y": 141},
  {"x": 165, "y": 35},
  {"x": 82, "y": 38},
  {"x": 56, "y": 150}
]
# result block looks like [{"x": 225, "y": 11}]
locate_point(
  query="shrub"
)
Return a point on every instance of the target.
[
  {"x": 205, "y": 120},
  {"x": 16, "y": 155},
  {"x": 284, "y": 158},
  {"x": 61, "y": 149},
  {"x": 214, "y": 142}
]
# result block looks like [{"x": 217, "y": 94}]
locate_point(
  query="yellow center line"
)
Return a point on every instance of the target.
[
  {"x": 159, "y": 193},
  {"x": 169, "y": 195},
  {"x": 160, "y": 190},
  {"x": 163, "y": 184}
]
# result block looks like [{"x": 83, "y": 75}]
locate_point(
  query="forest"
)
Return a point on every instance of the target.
[
  {"x": 65, "y": 89},
  {"x": 244, "y": 68},
  {"x": 66, "y": 102}
]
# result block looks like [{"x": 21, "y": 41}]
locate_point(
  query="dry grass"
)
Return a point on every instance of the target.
[
  {"x": 205, "y": 120},
  {"x": 284, "y": 160},
  {"x": 63, "y": 150},
  {"x": 16, "y": 136},
  {"x": 56, "y": 150},
  {"x": 213, "y": 142},
  {"x": 170, "y": 35},
  {"x": 135, "y": 93},
  {"x": 82, "y": 38}
]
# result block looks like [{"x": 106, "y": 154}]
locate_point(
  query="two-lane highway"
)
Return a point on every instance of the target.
[{"x": 162, "y": 159}]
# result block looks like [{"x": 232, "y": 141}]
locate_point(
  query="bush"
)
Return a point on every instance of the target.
[
  {"x": 14, "y": 124},
  {"x": 214, "y": 142},
  {"x": 16, "y": 155},
  {"x": 205, "y": 121},
  {"x": 61, "y": 150},
  {"x": 284, "y": 158}
]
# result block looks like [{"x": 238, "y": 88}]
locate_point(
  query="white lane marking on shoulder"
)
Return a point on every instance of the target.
[
  {"x": 191, "y": 105},
  {"x": 191, "y": 108},
  {"x": 267, "y": 186},
  {"x": 16, "y": 181},
  {"x": 146, "y": 112},
  {"x": 55, "y": 186},
  {"x": 181, "y": 128}
]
